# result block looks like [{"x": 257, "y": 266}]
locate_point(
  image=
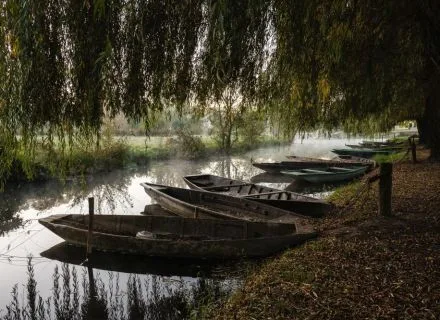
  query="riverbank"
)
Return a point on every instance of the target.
[
  {"x": 363, "y": 265},
  {"x": 121, "y": 152}
]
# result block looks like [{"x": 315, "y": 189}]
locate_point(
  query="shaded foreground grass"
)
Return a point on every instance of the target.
[{"x": 363, "y": 265}]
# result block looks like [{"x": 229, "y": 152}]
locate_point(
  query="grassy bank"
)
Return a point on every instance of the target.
[
  {"x": 119, "y": 152},
  {"x": 362, "y": 265},
  {"x": 159, "y": 148}
]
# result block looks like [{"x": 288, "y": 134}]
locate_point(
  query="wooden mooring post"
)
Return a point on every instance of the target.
[
  {"x": 90, "y": 234},
  {"x": 385, "y": 188}
]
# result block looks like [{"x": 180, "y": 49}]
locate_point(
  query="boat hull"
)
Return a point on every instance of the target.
[
  {"x": 326, "y": 177},
  {"x": 282, "y": 199},
  {"x": 305, "y": 163},
  {"x": 226, "y": 239},
  {"x": 204, "y": 204},
  {"x": 365, "y": 153}
]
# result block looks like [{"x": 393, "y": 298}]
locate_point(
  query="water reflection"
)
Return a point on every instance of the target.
[
  {"x": 117, "y": 192},
  {"x": 109, "y": 191},
  {"x": 89, "y": 296},
  {"x": 106, "y": 261}
]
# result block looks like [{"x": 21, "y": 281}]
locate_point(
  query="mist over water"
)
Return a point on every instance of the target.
[{"x": 313, "y": 145}]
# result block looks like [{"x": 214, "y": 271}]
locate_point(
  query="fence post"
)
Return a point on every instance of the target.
[
  {"x": 385, "y": 188},
  {"x": 91, "y": 214}
]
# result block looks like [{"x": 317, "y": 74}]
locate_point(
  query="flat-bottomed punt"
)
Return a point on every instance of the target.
[
  {"x": 286, "y": 200},
  {"x": 331, "y": 174},
  {"x": 395, "y": 148},
  {"x": 364, "y": 153},
  {"x": 296, "y": 163},
  {"x": 176, "y": 236},
  {"x": 381, "y": 144},
  {"x": 204, "y": 204}
]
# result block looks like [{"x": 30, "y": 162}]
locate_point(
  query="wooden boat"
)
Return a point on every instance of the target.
[
  {"x": 266, "y": 177},
  {"x": 204, "y": 204},
  {"x": 176, "y": 236},
  {"x": 332, "y": 174},
  {"x": 286, "y": 200},
  {"x": 364, "y": 153},
  {"x": 339, "y": 161},
  {"x": 377, "y": 147},
  {"x": 381, "y": 144},
  {"x": 304, "y": 163},
  {"x": 355, "y": 146}
]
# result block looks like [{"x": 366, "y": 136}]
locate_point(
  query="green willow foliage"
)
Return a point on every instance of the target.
[
  {"x": 350, "y": 60},
  {"x": 66, "y": 64}
]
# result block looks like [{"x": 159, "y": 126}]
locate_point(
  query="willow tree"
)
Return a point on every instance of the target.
[
  {"x": 355, "y": 63},
  {"x": 67, "y": 64}
]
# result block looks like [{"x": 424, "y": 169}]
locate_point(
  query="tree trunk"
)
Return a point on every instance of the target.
[
  {"x": 421, "y": 127},
  {"x": 431, "y": 117},
  {"x": 385, "y": 188}
]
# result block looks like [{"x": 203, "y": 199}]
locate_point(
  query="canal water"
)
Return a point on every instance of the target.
[{"x": 119, "y": 192}]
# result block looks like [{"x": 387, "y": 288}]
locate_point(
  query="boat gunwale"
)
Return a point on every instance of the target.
[{"x": 228, "y": 240}]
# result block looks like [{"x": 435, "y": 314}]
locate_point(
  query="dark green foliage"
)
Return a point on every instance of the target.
[
  {"x": 251, "y": 127},
  {"x": 186, "y": 145}
]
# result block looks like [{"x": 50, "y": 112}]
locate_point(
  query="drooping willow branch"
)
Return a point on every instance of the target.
[{"x": 65, "y": 65}]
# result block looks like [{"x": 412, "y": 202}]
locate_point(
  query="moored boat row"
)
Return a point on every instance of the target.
[
  {"x": 198, "y": 223},
  {"x": 216, "y": 218}
]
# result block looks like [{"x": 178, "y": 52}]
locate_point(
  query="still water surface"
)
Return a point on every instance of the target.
[{"x": 119, "y": 192}]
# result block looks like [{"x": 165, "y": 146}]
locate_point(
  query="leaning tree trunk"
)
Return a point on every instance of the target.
[
  {"x": 431, "y": 116},
  {"x": 421, "y": 127}
]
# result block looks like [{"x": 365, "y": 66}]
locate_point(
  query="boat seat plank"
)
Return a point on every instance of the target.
[
  {"x": 316, "y": 171},
  {"x": 342, "y": 169},
  {"x": 226, "y": 186},
  {"x": 263, "y": 194}
]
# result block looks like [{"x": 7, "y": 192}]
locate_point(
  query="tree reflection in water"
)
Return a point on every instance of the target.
[
  {"x": 234, "y": 168},
  {"x": 93, "y": 299},
  {"x": 110, "y": 191}
]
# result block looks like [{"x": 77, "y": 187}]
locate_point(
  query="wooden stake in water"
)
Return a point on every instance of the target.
[{"x": 90, "y": 234}]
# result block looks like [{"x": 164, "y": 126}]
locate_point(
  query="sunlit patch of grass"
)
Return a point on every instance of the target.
[
  {"x": 341, "y": 194},
  {"x": 353, "y": 202},
  {"x": 393, "y": 157}
]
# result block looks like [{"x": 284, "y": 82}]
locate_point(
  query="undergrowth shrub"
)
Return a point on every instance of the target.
[{"x": 186, "y": 145}]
